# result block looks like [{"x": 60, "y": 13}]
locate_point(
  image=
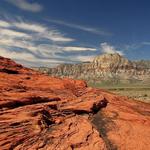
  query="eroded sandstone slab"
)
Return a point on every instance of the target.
[{"x": 42, "y": 112}]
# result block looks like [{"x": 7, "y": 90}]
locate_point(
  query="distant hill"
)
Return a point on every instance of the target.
[{"x": 105, "y": 69}]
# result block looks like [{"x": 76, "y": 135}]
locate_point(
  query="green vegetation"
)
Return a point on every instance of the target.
[{"x": 135, "y": 91}]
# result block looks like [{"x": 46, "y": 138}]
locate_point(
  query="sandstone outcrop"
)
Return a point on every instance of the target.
[
  {"x": 109, "y": 68},
  {"x": 47, "y": 113}
]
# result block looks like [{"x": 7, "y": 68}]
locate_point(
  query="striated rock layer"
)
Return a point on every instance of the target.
[
  {"x": 46, "y": 113},
  {"x": 106, "y": 68}
]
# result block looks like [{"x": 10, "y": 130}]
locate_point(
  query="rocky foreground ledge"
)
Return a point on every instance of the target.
[{"x": 41, "y": 112}]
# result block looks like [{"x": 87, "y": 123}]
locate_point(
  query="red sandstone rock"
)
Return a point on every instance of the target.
[{"x": 42, "y": 112}]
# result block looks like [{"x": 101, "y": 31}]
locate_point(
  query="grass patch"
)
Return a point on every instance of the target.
[{"x": 135, "y": 91}]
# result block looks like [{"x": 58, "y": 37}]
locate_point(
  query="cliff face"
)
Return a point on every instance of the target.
[
  {"x": 47, "y": 113},
  {"x": 107, "y": 67}
]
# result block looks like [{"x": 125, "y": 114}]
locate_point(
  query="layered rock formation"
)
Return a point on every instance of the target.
[
  {"x": 112, "y": 68},
  {"x": 47, "y": 113}
]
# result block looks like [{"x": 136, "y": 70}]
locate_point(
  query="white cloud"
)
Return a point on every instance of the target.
[
  {"x": 25, "y": 5},
  {"x": 81, "y": 27},
  {"x": 13, "y": 33},
  {"x": 4, "y": 24},
  {"x": 37, "y": 44},
  {"x": 73, "y": 48},
  {"x": 14, "y": 55},
  {"x": 29, "y": 59},
  {"x": 30, "y": 39},
  {"x": 106, "y": 48},
  {"x": 30, "y": 26},
  {"x": 85, "y": 58},
  {"x": 56, "y": 36},
  {"x": 41, "y": 31},
  {"x": 19, "y": 43}
]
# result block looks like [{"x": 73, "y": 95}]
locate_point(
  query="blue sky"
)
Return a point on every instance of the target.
[{"x": 51, "y": 32}]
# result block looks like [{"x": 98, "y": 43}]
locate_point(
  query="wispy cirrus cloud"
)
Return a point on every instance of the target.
[
  {"x": 87, "y": 58},
  {"x": 29, "y": 59},
  {"x": 26, "y": 5},
  {"x": 13, "y": 33},
  {"x": 12, "y": 28},
  {"x": 81, "y": 27},
  {"x": 33, "y": 44},
  {"x": 135, "y": 46},
  {"x": 4, "y": 24},
  {"x": 75, "y": 48},
  {"x": 30, "y": 26},
  {"x": 146, "y": 43},
  {"x": 106, "y": 48}
]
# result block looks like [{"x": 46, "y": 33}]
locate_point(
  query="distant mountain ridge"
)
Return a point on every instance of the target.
[{"x": 111, "y": 68}]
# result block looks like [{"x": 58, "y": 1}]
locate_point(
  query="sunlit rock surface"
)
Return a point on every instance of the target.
[
  {"x": 42, "y": 112},
  {"x": 109, "y": 68}
]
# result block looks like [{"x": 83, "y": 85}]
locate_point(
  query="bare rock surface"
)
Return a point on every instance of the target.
[
  {"x": 106, "y": 68},
  {"x": 47, "y": 113}
]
